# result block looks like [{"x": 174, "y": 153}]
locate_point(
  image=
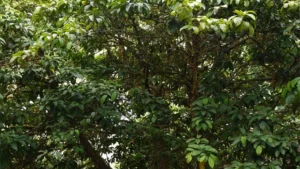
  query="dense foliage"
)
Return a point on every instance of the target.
[{"x": 158, "y": 84}]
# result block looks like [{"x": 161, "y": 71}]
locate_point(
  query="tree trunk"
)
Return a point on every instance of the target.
[{"x": 193, "y": 62}]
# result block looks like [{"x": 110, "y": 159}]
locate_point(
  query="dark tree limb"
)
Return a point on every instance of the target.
[{"x": 92, "y": 153}]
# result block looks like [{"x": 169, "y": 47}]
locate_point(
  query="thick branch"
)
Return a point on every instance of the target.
[{"x": 92, "y": 153}]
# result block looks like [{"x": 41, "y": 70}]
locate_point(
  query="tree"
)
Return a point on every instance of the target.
[{"x": 149, "y": 84}]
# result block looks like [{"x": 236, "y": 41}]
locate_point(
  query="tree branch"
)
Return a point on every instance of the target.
[{"x": 92, "y": 153}]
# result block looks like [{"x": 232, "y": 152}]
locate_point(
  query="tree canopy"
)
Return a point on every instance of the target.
[{"x": 157, "y": 84}]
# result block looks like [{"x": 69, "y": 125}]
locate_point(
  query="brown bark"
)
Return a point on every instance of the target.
[
  {"x": 163, "y": 163},
  {"x": 92, "y": 153},
  {"x": 163, "y": 160},
  {"x": 121, "y": 50},
  {"x": 194, "y": 49}
]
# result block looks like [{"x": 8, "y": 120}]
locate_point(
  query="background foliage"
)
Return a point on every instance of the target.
[{"x": 150, "y": 84}]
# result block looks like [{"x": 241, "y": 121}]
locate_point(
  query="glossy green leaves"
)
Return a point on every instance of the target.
[{"x": 198, "y": 149}]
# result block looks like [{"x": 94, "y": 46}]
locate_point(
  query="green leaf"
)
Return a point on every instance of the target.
[
  {"x": 77, "y": 131},
  {"x": 195, "y": 153},
  {"x": 128, "y": 7},
  {"x": 246, "y": 25},
  {"x": 188, "y": 157},
  {"x": 237, "y": 21},
  {"x": 198, "y": 128},
  {"x": 2, "y": 41},
  {"x": 203, "y": 126},
  {"x": 223, "y": 27},
  {"x": 244, "y": 140},
  {"x": 205, "y": 101},
  {"x": 194, "y": 146},
  {"x": 88, "y": 121},
  {"x": 58, "y": 155},
  {"x": 61, "y": 41},
  {"x": 203, "y": 26},
  {"x": 258, "y": 150},
  {"x": 213, "y": 150},
  {"x": 204, "y": 141},
  {"x": 284, "y": 91},
  {"x": 196, "y": 30},
  {"x": 190, "y": 140},
  {"x": 251, "y": 30},
  {"x": 202, "y": 159},
  {"x": 189, "y": 149},
  {"x": 263, "y": 125},
  {"x": 211, "y": 162},
  {"x": 188, "y": 27},
  {"x": 153, "y": 118},
  {"x": 91, "y": 17},
  {"x": 61, "y": 119},
  {"x": 246, "y": 3},
  {"x": 209, "y": 123},
  {"x": 243, "y": 131},
  {"x": 16, "y": 55},
  {"x": 295, "y": 81},
  {"x": 213, "y": 157},
  {"x": 103, "y": 98},
  {"x": 251, "y": 16},
  {"x": 69, "y": 45},
  {"x": 239, "y": 13},
  {"x": 14, "y": 146},
  {"x": 99, "y": 20},
  {"x": 113, "y": 96},
  {"x": 147, "y": 6},
  {"x": 41, "y": 108},
  {"x": 13, "y": 59}
]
